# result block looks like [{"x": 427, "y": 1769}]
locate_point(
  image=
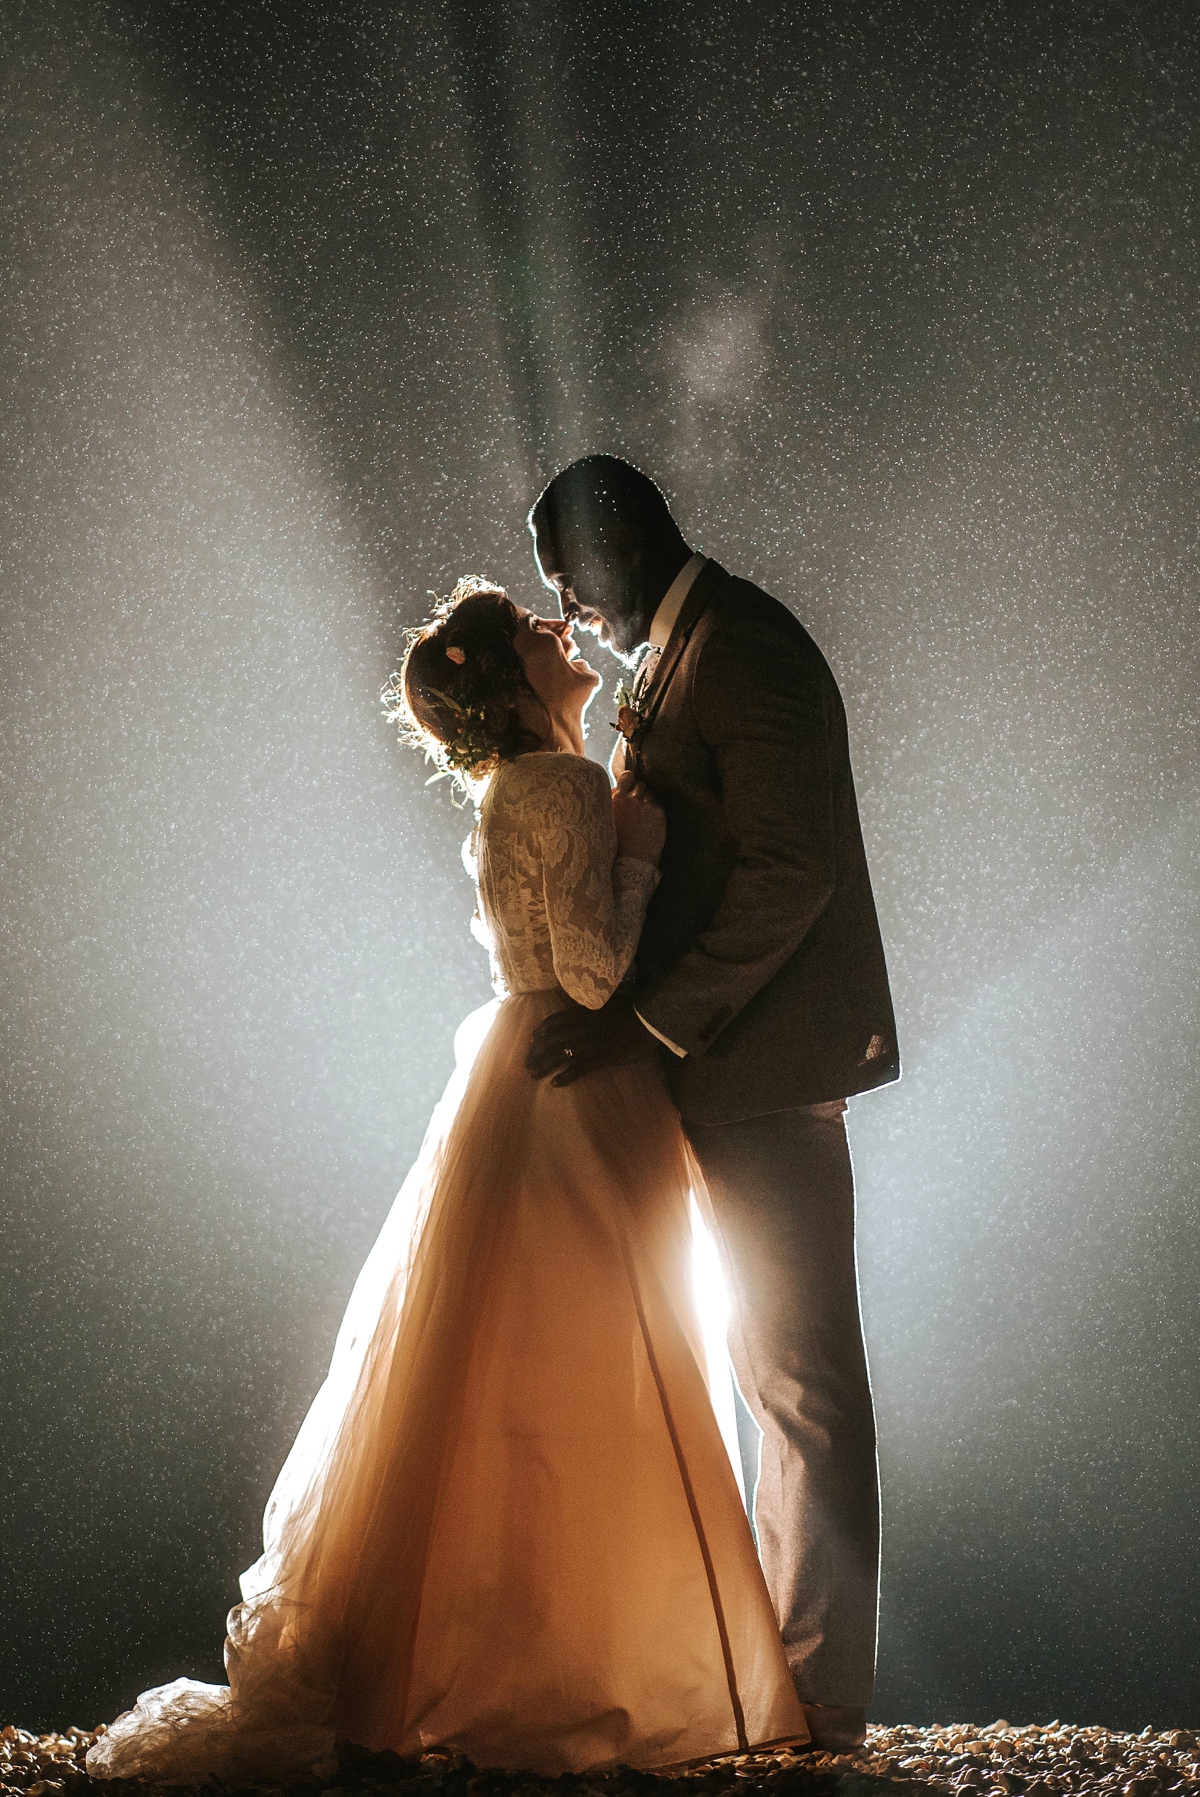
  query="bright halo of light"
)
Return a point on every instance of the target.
[{"x": 712, "y": 1307}]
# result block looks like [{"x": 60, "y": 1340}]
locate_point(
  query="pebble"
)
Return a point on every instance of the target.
[{"x": 999, "y": 1760}]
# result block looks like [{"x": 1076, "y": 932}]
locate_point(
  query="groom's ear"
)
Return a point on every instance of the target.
[{"x": 627, "y": 545}]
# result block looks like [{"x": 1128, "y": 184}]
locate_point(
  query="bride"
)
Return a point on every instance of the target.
[{"x": 508, "y": 1527}]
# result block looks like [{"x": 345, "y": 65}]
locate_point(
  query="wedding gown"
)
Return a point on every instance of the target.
[{"x": 509, "y": 1526}]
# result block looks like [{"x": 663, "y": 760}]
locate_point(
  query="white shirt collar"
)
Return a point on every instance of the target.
[{"x": 671, "y": 603}]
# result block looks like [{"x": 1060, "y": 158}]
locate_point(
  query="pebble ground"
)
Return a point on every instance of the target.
[{"x": 1000, "y": 1760}]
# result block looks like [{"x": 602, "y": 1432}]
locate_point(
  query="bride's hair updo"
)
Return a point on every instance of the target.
[{"x": 456, "y": 695}]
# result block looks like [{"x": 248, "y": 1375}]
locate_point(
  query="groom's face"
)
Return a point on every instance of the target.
[{"x": 597, "y": 590}]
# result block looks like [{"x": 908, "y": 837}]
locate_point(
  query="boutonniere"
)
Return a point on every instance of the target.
[{"x": 629, "y": 720}]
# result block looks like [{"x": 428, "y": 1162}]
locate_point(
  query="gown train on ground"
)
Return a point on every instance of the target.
[{"x": 509, "y": 1526}]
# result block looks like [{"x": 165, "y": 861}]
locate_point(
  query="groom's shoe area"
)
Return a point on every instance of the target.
[
  {"x": 835, "y": 1727},
  {"x": 783, "y": 1194}
]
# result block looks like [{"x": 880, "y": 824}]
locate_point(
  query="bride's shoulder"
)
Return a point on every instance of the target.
[{"x": 549, "y": 783}]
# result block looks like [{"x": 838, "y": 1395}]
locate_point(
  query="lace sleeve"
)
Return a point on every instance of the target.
[
  {"x": 595, "y": 901},
  {"x": 470, "y": 861}
]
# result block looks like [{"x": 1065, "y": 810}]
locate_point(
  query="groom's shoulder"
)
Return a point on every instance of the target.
[{"x": 737, "y": 610}]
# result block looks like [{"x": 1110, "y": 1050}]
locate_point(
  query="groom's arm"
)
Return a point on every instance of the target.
[{"x": 759, "y": 704}]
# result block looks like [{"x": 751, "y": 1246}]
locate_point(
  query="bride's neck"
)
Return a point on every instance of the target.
[{"x": 565, "y": 735}]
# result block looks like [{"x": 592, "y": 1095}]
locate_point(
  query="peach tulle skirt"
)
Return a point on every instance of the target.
[{"x": 509, "y": 1526}]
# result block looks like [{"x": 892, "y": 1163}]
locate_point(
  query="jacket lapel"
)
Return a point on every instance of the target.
[{"x": 702, "y": 589}]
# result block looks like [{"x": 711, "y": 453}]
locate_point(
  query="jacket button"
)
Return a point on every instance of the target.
[{"x": 716, "y": 1023}]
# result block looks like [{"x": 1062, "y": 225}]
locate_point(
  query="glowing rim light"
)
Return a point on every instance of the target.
[{"x": 712, "y": 1308}]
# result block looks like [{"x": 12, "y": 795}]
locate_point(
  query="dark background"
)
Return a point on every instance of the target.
[{"x": 303, "y": 303}]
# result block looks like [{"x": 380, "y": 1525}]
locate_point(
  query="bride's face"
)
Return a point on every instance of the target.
[{"x": 553, "y": 666}]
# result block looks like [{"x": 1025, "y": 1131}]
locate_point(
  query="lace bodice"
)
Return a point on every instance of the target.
[{"x": 560, "y": 908}]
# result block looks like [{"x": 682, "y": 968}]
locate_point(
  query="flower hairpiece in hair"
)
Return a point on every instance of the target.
[
  {"x": 468, "y": 750},
  {"x": 456, "y": 654},
  {"x": 471, "y": 746}
]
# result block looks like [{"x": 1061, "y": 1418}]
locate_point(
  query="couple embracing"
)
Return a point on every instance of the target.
[{"x": 510, "y": 1526}]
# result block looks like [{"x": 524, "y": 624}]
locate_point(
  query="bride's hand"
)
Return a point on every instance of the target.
[{"x": 640, "y": 819}]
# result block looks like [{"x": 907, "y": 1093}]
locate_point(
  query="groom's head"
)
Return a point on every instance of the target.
[{"x": 606, "y": 543}]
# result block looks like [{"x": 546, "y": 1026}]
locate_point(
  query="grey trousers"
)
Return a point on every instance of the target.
[{"x": 783, "y": 1192}]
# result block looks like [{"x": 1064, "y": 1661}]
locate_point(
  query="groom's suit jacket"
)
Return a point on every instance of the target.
[{"x": 761, "y": 954}]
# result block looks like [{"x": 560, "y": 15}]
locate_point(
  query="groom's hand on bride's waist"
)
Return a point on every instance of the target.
[{"x": 570, "y": 1043}]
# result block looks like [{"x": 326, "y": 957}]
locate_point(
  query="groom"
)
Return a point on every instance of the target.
[{"x": 761, "y": 984}]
